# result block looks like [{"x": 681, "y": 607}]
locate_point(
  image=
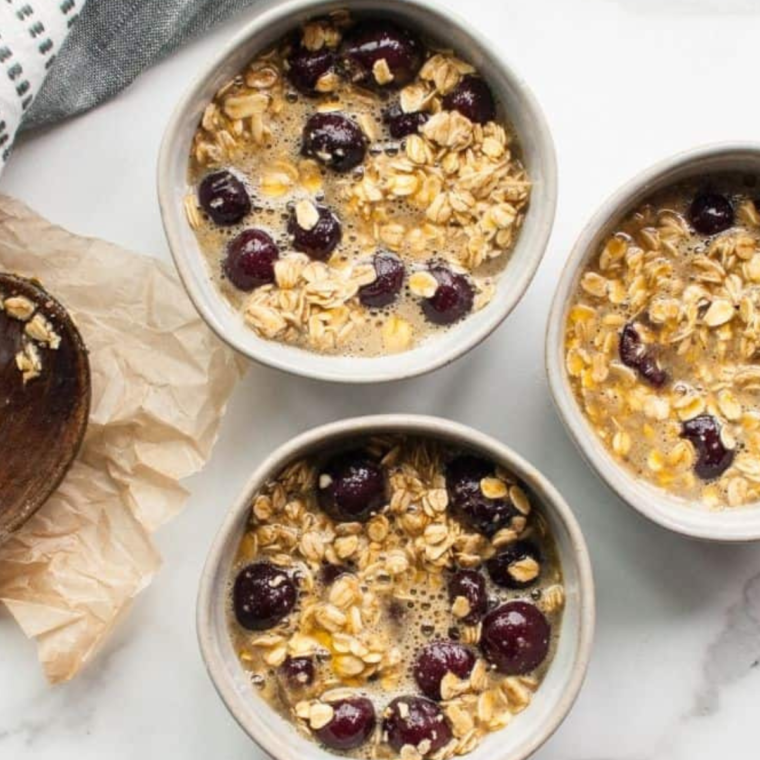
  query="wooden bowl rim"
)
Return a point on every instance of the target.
[{"x": 45, "y": 300}]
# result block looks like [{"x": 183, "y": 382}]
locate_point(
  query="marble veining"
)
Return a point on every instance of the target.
[
  {"x": 674, "y": 673},
  {"x": 735, "y": 652}
]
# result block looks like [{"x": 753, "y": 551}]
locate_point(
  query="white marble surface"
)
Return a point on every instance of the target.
[{"x": 624, "y": 83}]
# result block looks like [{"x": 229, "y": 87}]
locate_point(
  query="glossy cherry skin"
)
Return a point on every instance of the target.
[
  {"x": 471, "y": 585},
  {"x": 390, "y": 271},
  {"x": 402, "y": 124},
  {"x": 499, "y": 565},
  {"x": 262, "y": 596},
  {"x": 711, "y": 213},
  {"x": 472, "y": 97},
  {"x": 250, "y": 259},
  {"x": 421, "y": 721},
  {"x": 471, "y": 506},
  {"x": 351, "y": 725},
  {"x": 515, "y": 638},
  {"x": 306, "y": 67},
  {"x": 351, "y": 487},
  {"x": 298, "y": 672},
  {"x": 334, "y": 140},
  {"x": 372, "y": 41},
  {"x": 452, "y": 299},
  {"x": 321, "y": 240},
  {"x": 224, "y": 197},
  {"x": 634, "y": 354},
  {"x": 713, "y": 457},
  {"x": 437, "y": 659}
]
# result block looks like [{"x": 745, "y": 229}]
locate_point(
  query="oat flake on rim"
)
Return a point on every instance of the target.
[{"x": 523, "y": 113}]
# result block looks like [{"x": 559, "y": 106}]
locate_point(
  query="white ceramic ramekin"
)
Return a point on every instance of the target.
[
  {"x": 740, "y": 524},
  {"x": 565, "y": 675},
  {"x": 516, "y": 102}
]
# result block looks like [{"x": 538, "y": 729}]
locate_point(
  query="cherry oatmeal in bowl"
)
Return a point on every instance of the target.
[
  {"x": 356, "y": 189},
  {"x": 396, "y": 595},
  {"x": 661, "y": 341},
  {"x": 397, "y": 586}
]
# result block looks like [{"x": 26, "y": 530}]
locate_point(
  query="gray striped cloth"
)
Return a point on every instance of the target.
[
  {"x": 110, "y": 44},
  {"x": 31, "y": 32}
]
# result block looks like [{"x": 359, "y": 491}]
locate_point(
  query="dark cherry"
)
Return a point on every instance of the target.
[
  {"x": 250, "y": 259},
  {"x": 372, "y": 41},
  {"x": 320, "y": 241},
  {"x": 504, "y": 566},
  {"x": 487, "y": 516},
  {"x": 711, "y": 213},
  {"x": 713, "y": 457},
  {"x": 351, "y": 487},
  {"x": 387, "y": 285},
  {"x": 422, "y": 720},
  {"x": 515, "y": 637},
  {"x": 334, "y": 140},
  {"x": 402, "y": 124},
  {"x": 330, "y": 573},
  {"x": 224, "y": 197},
  {"x": 472, "y": 97},
  {"x": 305, "y": 67},
  {"x": 351, "y": 725},
  {"x": 262, "y": 596},
  {"x": 472, "y": 586},
  {"x": 298, "y": 672},
  {"x": 437, "y": 659},
  {"x": 651, "y": 371},
  {"x": 452, "y": 299},
  {"x": 634, "y": 354},
  {"x": 631, "y": 347}
]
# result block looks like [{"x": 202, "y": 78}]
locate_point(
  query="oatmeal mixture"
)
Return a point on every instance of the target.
[
  {"x": 353, "y": 189},
  {"x": 662, "y": 342},
  {"x": 38, "y": 334},
  {"x": 396, "y": 598}
]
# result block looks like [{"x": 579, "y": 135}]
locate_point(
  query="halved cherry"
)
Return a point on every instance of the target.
[
  {"x": 224, "y": 197},
  {"x": 417, "y": 722},
  {"x": 306, "y": 67},
  {"x": 351, "y": 487},
  {"x": 334, "y": 140},
  {"x": 437, "y": 659},
  {"x": 352, "y": 724},
  {"x": 515, "y": 637},
  {"x": 472, "y": 97},
  {"x": 452, "y": 299},
  {"x": 374, "y": 43},
  {"x": 262, "y": 596},
  {"x": 389, "y": 271},
  {"x": 250, "y": 259}
]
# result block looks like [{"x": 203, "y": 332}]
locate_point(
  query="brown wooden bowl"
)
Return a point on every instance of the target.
[{"x": 43, "y": 421}]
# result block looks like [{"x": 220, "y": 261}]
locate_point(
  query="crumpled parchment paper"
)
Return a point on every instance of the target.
[{"x": 160, "y": 384}]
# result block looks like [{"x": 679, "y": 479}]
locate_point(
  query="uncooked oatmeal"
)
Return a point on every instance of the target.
[
  {"x": 39, "y": 335},
  {"x": 353, "y": 189},
  {"x": 662, "y": 341},
  {"x": 397, "y": 597}
]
